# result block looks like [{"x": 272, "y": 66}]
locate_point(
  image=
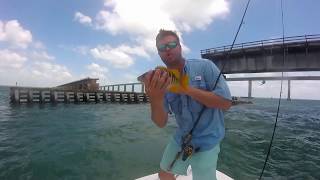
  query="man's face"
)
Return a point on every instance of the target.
[{"x": 169, "y": 50}]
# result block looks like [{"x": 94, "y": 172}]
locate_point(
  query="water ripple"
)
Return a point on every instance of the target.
[{"x": 119, "y": 141}]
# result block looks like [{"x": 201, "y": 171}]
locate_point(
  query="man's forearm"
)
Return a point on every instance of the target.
[
  {"x": 158, "y": 115},
  {"x": 209, "y": 99}
]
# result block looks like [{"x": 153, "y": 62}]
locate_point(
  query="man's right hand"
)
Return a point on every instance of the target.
[{"x": 156, "y": 83}]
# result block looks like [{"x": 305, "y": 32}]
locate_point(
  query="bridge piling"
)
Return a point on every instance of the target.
[
  {"x": 289, "y": 84},
  {"x": 249, "y": 89}
]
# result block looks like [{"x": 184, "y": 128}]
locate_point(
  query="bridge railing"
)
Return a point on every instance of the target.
[
  {"x": 127, "y": 87},
  {"x": 262, "y": 43}
]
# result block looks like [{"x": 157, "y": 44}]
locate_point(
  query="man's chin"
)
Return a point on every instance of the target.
[
  {"x": 171, "y": 60},
  {"x": 170, "y": 64}
]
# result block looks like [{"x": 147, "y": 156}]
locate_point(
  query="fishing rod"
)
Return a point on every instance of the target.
[
  {"x": 279, "y": 102},
  {"x": 186, "y": 148}
]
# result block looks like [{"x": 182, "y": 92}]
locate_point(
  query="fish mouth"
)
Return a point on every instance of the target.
[{"x": 141, "y": 77}]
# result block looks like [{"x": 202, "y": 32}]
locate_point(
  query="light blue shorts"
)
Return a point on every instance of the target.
[{"x": 203, "y": 164}]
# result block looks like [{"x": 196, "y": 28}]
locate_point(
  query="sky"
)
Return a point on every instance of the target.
[{"x": 47, "y": 43}]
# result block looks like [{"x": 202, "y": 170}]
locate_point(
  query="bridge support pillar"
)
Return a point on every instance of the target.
[
  {"x": 249, "y": 89},
  {"x": 289, "y": 86}
]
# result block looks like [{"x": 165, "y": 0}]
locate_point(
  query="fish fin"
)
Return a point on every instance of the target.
[
  {"x": 175, "y": 72},
  {"x": 183, "y": 84},
  {"x": 161, "y": 68},
  {"x": 174, "y": 88},
  {"x": 185, "y": 81},
  {"x": 181, "y": 81},
  {"x": 172, "y": 72}
]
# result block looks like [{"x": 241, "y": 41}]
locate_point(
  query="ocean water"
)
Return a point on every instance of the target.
[{"x": 119, "y": 141}]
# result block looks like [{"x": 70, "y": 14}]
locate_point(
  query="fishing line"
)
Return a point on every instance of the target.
[
  {"x": 279, "y": 102},
  {"x": 234, "y": 40},
  {"x": 227, "y": 57},
  {"x": 189, "y": 135}
]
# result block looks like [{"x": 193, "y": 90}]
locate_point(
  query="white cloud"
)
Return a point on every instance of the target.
[
  {"x": 12, "y": 33},
  {"x": 50, "y": 73},
  {"x": 29, "y": 69},
  {"x": 134, "y": 18},
  {"x": 130, "y": 78},
  {"x": 39, "y": 74},
  {"x": 41, "y": 56},
  {"x": 190, "y": 14},
  {"x": 98, "y": 71},
  {"x": 25, "y": 61},
  {"x": 11, "y": 60},
  {"x": 39, "y": 45},
  {"x": 83, "y": 19},
  {"x": 97, "y": 68},
  {"x": 136, "y": 50},
  {"x": 119, "y": 57},
  {"x": 142, "y": 19},
  {"x": 121, "y": 77},
  {"x": 48, "y": 70},
  {"x": 147, "y": 17}
]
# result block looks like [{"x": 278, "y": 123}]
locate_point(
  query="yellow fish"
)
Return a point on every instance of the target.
[{"x": 179, "y": 80}]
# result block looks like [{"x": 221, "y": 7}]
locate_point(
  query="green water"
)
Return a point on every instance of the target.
[{"x": 119, "y": 141}]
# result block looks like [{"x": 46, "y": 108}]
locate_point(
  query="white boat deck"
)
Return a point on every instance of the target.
[{"x": 220, "y": 176}]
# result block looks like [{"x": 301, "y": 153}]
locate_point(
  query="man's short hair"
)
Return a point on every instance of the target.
[{"x": 163, "y": 33}]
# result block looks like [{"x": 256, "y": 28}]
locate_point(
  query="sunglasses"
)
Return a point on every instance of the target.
[{"x": 170, "y": 45}]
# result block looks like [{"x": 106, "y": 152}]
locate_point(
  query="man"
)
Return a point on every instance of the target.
[{"x": 186, "y": 106}]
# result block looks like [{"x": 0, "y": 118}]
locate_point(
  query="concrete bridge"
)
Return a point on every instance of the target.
[{"x": 302, "y": 54}]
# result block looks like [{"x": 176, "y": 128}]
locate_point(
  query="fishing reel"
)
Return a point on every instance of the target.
[{"x": 187, "y": 152}]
